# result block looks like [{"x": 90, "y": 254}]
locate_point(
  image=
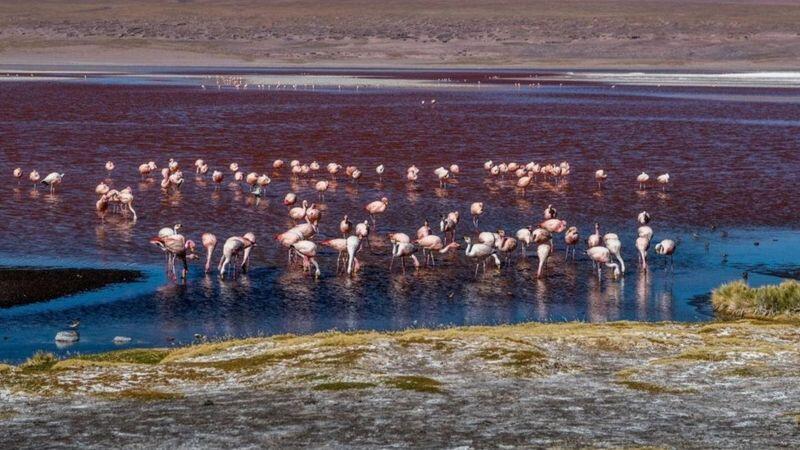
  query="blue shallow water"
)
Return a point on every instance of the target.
[{"x": 731, "y": 152}]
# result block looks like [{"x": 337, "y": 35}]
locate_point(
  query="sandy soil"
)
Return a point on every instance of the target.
[
  {"x": 699, "y": 34},
  {"x": 717, "y": 385}
]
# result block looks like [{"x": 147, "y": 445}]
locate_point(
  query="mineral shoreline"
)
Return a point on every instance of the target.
[{"x": 726, "y": 384}]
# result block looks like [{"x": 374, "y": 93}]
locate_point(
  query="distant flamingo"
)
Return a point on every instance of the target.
[
  {"x": 339, "y": 245},
  {"x": 447, "y": 225},
  {"x": 424, "y": 230},
  {"x": 376, "y": 207},
  {"x": 298, "y": 213},
  {"x": 614, "y": 245},
  {"x": 290, "y": 199},
  {"x": 217, "y": 177},
  {"x": 404, "y": 250},
  {"x": 476, "y": 209},
  {"x": 643, "y": 218},
  {"x": 550, "y": 212},
  {"x": 18, "y": 174},
  {"x": 353, "y": 246},
  {"x": 594, "y": 240},
  {"x": 109, "y": 167},
  {"x": 379, "y": 170},
  {"x": 432, "y": 243},
  {"x": 663, "y": 180},
  {"x": 600, "y": 176},
  {"x": 321, "y": 186},
  {"x": 543, "y": 251},
  {"x": 51, "y": 180},
  {"x": 642, "y": 179},
  {"x": 443, "y": 174}
]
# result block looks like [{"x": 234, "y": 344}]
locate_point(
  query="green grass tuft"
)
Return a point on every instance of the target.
[
  {"x": 415, "y": 383},
  {"x": 39, "y": 362},
  {"x": 132, "y": 356},
  {"x": 739, "y": 300},
  {"x": 145, "y": 395},
  {"x": 343, "y": 386},
  {"x": 650, "y": 388}
]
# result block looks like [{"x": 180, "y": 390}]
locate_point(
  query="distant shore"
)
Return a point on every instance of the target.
[{"x": 611, "y": 34}]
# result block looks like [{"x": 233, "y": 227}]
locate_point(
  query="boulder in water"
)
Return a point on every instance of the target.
[
  {"x": 67, "y": 336},
  {"x": 119, "y": 340}
]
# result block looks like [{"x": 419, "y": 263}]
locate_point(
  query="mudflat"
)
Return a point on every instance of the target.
[
  {"x": 696, "y": 34},
  {"x": 21, "y": 286}
]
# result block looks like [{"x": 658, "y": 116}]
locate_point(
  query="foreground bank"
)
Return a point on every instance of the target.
[{"x": 709, "y": 385}]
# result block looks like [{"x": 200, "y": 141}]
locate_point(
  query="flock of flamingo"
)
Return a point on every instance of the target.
[{"x": 604, "y": 250}]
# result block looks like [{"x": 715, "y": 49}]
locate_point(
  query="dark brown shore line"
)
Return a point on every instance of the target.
[{"x": 25, "y": 285}]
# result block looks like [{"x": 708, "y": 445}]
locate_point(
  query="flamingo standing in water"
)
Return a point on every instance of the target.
[
  {"x": 396, "y": 239},
  {"x": 476, "y": 209},
  {"x": 176, "y": 246},
  {"x": 550, "y": 212},
  {"x": 432, "y": 243},
  {"x": 109, "y": 167},
  {"x": 379, "y": 170},
  {"x": 614, "y": 245},
  {"x": 376, "y": 207},
  {"x": 447, "y": 225},
  {"x": 232, "y": 248},
  {"x": 339, "y": 245},
  {"x": 52, "y": 180},
  {"x": 543, "y": 251},
  {"x": 424, "y": 230},
  {"x": 333, "y": 169},
  {"x": 353, "y": 246},
  {"x": 642, "y": 179},
  {"x": 663, "y": 180},
  {"x": 525, "y": 237},
  {"x": 600, "y": 176},
  {"x": 277, "y": 164},
  {"x": 480, "y": 253},
  {"x": 594, "y": 240},
  {"x": 404, "y": 250},
  {"x": 321, "y": 186},
  {"x": 209, "y": 243},
  {"x": 362, "y": 231},
  {"x": 443, "y": 174},
  {"x": 290, "y": 199},
  {"x": 217, "y": 177},
  {"x": 667, "y": 248},
  {"x": 454, "y": 170},
  {"x": 571, "y": 238},
  {"x": 18, "y": 174},
  {"x": 308, "y": 251},
  {"x": 524, "y": 181},
  {"x": 34, "y": 177},
  {"x": 601, "y": 255},
  {"x": 345, "y": 226},
  {"x": 298, "y": 213}
]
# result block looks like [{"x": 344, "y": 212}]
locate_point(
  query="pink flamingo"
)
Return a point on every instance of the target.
[
  {"x": 476, "y": 209},
  {"x": 571, "y": 238},
  {"x": 308, "y": 251},
  {"x": 209, "y": 243},
  {"x": 601, "y": 255},
  {"x": 376, "y": 207},
  {"x": 432, "y": 243}
]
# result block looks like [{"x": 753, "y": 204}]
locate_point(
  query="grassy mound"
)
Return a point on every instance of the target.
[{"x": 775, "y": 301}]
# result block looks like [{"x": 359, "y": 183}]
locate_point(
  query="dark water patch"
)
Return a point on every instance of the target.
[{"x": 25, "y": 285}]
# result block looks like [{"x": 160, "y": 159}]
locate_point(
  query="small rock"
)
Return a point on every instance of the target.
[
  {"x": 67, "y": 336},
  {"x": 121, "y": 340},
  {"x": 208, "y": 403}
]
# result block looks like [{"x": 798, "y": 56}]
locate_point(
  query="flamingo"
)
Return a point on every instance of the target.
[
  {"x": 277, "y": 164},
  {"x": 524, "y": 181},
  {"x": 525, "y": 237},
  {"x": 480, "y": 253},
  {"x": 313, "y": 215},
  {"x": 52, "y": 180},
  {"x": 353, "y": 245},
  {"x": 321, "y": 186},
  {"x": 339, "y": 245},
  {"x": 412, "y": 174},
  {"x": 209, "y": 243},
  {"x": 432, "y": 243},
  {"x": 109, "y": 167},
  {"x": 333, "y": 169},
  {"x": 217, "y": 177},
  {"x": 308, "y": 251},
  {"x": 251, "y": 179},
  {"x": 198, "y": 164},
  {"x": 125, "y": 198},
  {"x": 663, "y": 180},
  {"x": 600, "y": 176},
  {"x": 345, "y": 226},
  {"x": 476, "y": 209},
  {"x": 234, "y": 167},
  {"x": 507, "y": 245},
  {"x": 290, "y": 199},
  {"x": 642, "y": 179},
  {"x": 642, "y": 245},
  {"x": 173, "y": 165},
  {"x": 376, "y": 207},
  {"x": 424, "y": 230},
  {"x": 447, "y": 225},
  {"x": 356, "y": 175},
  {"x": 667, "y": 248},
  {"x": 594, "y": 239},
  {"x": 34, "y": 177},
  {"x": 571, "y": 238},
  {"x": 176, "y": 246},
  {"x": 362, "y": 231},
  {"x": 18, "y": 174},
  {"x": 403, "y": 250},
  {"x": 601, "y": 255},
  {"x": 379, "y": 170},
  {"x": 543, "y": 251},
  {"x": 101, "y": 189},
  {"x": 550, "y": 212},
  {"x": 396, "y": 239},
  {"x": 145, "y": 169},
  {"x": 614, "y": 245},
  {"x": 643, "y": 218},
  {"x": 443, "y": 174},
  {"x": 488, "y": 165},
  {"x": 233, "y": 246},
  {"x": 298, "y": 213},
  {"x": 454, "y": 170}
]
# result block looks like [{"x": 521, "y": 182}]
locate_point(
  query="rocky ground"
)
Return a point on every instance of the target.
[
  {"x": 735, "y": 34},
  {"x": 716, "y": 385}
]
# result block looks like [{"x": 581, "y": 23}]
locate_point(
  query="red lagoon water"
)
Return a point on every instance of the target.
[{"x": 731, "y": 153}]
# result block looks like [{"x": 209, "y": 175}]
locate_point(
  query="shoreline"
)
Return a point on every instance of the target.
[
  {"x": 28, "y": 285},
  {"x": 428, "y": 388}
]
